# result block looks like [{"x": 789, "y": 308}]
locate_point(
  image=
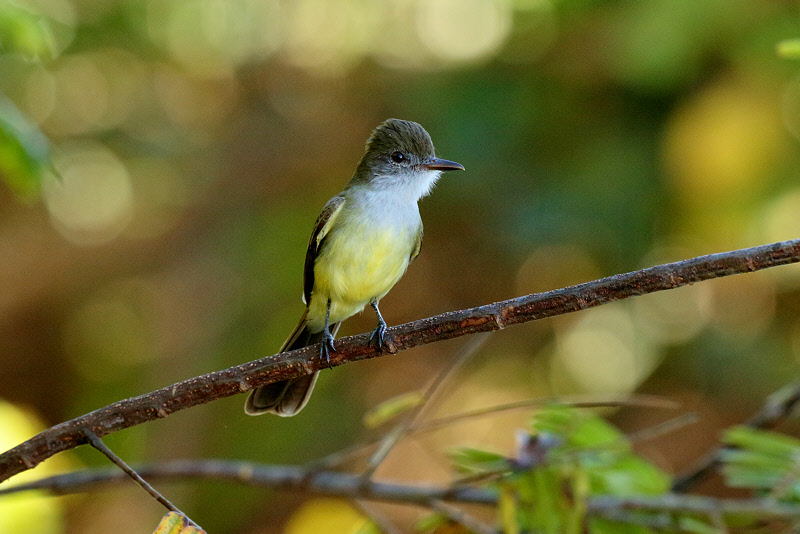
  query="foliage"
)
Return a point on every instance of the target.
[
  {"x": 764, "y": 461},
  {"x": 567, "y": 457},
  {"x": 25, "y": 32},
  {"x": 175, "y": 523},
  {"x": 24, "y": 150}
]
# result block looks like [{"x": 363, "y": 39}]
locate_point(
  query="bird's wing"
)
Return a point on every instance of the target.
[
  {"x": 321, "y": 228},
  {"x": 417, "y": 245}
]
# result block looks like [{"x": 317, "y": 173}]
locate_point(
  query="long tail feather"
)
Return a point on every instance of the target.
[{"x": 287, "y": 397}]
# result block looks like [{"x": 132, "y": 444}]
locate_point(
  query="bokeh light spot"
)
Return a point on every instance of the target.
[
  {"x": 724, "y": 142},
  {"x": 210, "y": 37},
  {"x": 322, "y": 34},
  {"x": 91, "y": 201},
  {"x": 600, "y": 353},
  {"x": 463, "y": 29},
  {"x": 82, "y": 96}
]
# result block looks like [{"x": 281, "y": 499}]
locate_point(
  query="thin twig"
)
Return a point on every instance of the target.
[
  {"x": 98, "y": 444},
  {"x": 777, "y": 407},
  {"x": 241, "y": 378},
  {"x": 574, "y": 401},
  {"x": 401, "y": 429},
  {"x": 666, "y": 427}
]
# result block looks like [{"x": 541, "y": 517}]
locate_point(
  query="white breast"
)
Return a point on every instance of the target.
[{"x": 385, "y": 208}]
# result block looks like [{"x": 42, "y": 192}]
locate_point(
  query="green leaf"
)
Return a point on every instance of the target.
[
  {"x": 756, "y": 460},
  {"x": 24, "y": 151},
  {"x": 25, "y": 32},
  {"x": 594, "y": 446},
  {"x": 391, "y": 408},
  {"x": 762, "y": 441},
  {"x": 763, "y": 461},
  {"x": 579, "y": 429},
  {"x": 629, "y": 475}
]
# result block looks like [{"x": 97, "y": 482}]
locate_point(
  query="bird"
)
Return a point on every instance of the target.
[{"x": 361, "y": 245}]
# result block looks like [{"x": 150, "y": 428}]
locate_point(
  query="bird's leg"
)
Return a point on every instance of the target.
[
  {"x": 326, "y": 347},
  {"x": 378, "y": 333}
]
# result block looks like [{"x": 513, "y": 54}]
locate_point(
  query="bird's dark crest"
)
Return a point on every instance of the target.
[{"x": 397, "y": 134}]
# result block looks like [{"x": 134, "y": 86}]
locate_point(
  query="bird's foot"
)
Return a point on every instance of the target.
[
  {"x": 378, "y": 334},
  {"x": 326, "y": 347}
]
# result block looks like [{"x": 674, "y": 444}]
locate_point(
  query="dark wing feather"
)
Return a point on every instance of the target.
[{"x": 321, "y": 229}]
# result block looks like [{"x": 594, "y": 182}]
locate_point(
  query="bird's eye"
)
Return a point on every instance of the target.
[{"x": 398, "y": 157}]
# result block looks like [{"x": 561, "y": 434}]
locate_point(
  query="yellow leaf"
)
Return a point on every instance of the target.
[
  {"x": 325, "y": 515},
  {"x": 30, "y": 512},
  {"x": 508, "y": 510},
  {"x": 171, "y": 523}
]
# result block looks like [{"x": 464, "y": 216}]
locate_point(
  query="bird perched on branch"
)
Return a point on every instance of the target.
[{"x": 361, "y": 245}]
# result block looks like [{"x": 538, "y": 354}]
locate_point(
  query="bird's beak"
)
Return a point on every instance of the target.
[{"x": 436, "y": 164}]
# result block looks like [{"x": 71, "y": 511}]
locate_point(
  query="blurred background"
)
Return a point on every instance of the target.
[{"x": 163, "y": 162}]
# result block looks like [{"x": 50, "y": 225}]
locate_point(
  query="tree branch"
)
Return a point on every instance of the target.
[
  {"x": 234, "y": 380},
  {"x": 355, "y": 487},
  {"x": 287, "y": 477}
]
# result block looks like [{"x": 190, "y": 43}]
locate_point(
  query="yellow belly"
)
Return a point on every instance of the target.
[{"x": 351, "y": 272}]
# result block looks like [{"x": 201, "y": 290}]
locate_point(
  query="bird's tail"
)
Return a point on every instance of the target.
[{"x": 287, "y": 397}]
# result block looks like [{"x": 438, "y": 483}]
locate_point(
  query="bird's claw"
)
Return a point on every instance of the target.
[
  {"x": 378, "y": 335},
  {"x": 326, "y": 347}
]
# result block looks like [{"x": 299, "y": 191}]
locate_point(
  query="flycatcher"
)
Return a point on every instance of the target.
[{"x": 361, "y": 245}]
